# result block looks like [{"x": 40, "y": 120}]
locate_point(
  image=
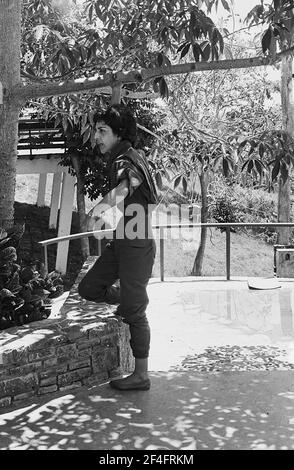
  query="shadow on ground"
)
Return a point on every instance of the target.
[{"x": 183, "y": 410}]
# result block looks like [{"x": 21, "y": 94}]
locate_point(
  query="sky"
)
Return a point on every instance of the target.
[{"x": 240, "y": 8}]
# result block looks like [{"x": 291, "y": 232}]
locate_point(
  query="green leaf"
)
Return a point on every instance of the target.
[
  {"x": 206, "y": 52},
  {"x": 177, "y": 181},
  {"x": 158, "y": 180},
  {"x": 197, "y": 51},
  {"x": 91, "y": 11},
  {"x": 284, "y": 172},
  {"x": 225, "y": 167},
  {"x": 86, "y": 135},
  {"x": 221, "y": 42},
  {"x": 258, "y": 167},
  {"x": 226, "y": 5},
  {"x": 242, "y": 144},
  {"x": 214, "y": 52},
  {"x": 253, "y": 147},
  {"x": 65, "y": 123},
  {"x": 182, "y": 46},
  {"x": 266, "y": 40},
  {"x": 160, "y": 59},
  {"x": 152, "y": 164},
  {"x": 165, "y": 35},
  {"x": 185, "y": 50},
  {"x": 244, "y": 165},
  {"x": 156, "y": 84},
  {"x": 214, "y": 36},
  {"x": 275, "y": 170},
  {"x": 174, "y": 34},
  {"x": 98, "y": 10},
  {"x": 261, "y": 149},
  {"x": 163, "y": 88},
  {"x": 250, "y": 166}
]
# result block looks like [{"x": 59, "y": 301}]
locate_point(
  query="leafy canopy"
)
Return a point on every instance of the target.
[
  {"x": 279, "y": 17},
  {"x": 111, "y": 35}
]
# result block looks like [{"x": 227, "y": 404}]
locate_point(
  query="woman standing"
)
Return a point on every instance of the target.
[{"x": 129, "y": 257}]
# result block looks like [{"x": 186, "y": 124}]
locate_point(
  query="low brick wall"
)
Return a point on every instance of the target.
[{"x": 84, "y": 343}]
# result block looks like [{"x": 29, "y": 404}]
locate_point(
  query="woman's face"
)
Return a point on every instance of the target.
[{"x": 105, "y": 137}]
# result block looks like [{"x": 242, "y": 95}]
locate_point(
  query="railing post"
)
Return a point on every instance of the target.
[
  {"x": 46, "y": 258},
  {"x": 228, "y": 252},
  {"x": 161, "y": 252}
]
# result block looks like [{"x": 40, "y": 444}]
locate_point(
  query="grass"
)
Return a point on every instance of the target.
[{"x": 249, "y": 255}]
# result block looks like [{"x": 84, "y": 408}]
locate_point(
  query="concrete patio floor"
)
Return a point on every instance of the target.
[{"x": 222, "y": 370}]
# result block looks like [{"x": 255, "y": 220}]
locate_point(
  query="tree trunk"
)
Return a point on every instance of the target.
[
  {"x": 81, "y": 206},
  {"x": 10, "y": 34},
  {"x": 198, "y": 262},
  {"x": 284, "y": 205}
]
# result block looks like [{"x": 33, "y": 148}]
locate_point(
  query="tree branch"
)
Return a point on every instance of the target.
[
  {"x": 196, "y": 129},
  {"x": 158, "y": 137},
  {"x": 242, "y": 29},
  {"x": 23, "y": 92}
]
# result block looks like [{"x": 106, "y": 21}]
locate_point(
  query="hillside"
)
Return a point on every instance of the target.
[{"x": 249, "y": 256}]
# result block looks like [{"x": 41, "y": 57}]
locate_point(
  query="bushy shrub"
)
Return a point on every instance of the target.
[
  {"x": 24, "y": 290},
  {"x": 234, "y": 203}
]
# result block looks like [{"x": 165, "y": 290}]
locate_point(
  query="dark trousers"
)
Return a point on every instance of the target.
[{"x": 131, "y": 262}]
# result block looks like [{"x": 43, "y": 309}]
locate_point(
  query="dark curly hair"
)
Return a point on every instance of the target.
[{"x": 121, "y": 120}]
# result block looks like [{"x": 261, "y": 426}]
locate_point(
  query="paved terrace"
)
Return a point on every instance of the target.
[{"x": 222, "y": 362}]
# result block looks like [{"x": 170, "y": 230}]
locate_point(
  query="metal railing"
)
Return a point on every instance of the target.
[{"x": 162, "y": 228}]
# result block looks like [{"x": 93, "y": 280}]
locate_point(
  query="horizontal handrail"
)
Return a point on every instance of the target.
[
  {"x": 75, "y": 236},
  {"x": 161, "y": 227}
]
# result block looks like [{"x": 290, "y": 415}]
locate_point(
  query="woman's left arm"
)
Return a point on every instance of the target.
[{"x": 111, "y": 199}]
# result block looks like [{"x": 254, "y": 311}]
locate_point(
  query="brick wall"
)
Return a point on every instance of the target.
[{"x": 84, "y": 343}]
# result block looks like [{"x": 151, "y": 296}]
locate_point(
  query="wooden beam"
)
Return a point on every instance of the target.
[
  {"x": 23, "y": 92},
  {"x": 65, "y": 216},
  {"x": 55, "y": 198},
  {"x": 42, "y": 190}
]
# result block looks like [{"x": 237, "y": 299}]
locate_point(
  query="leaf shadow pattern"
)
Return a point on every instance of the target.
[
  {"x": 182, "y": 410},
  {"x": 233, "y": 358}
]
